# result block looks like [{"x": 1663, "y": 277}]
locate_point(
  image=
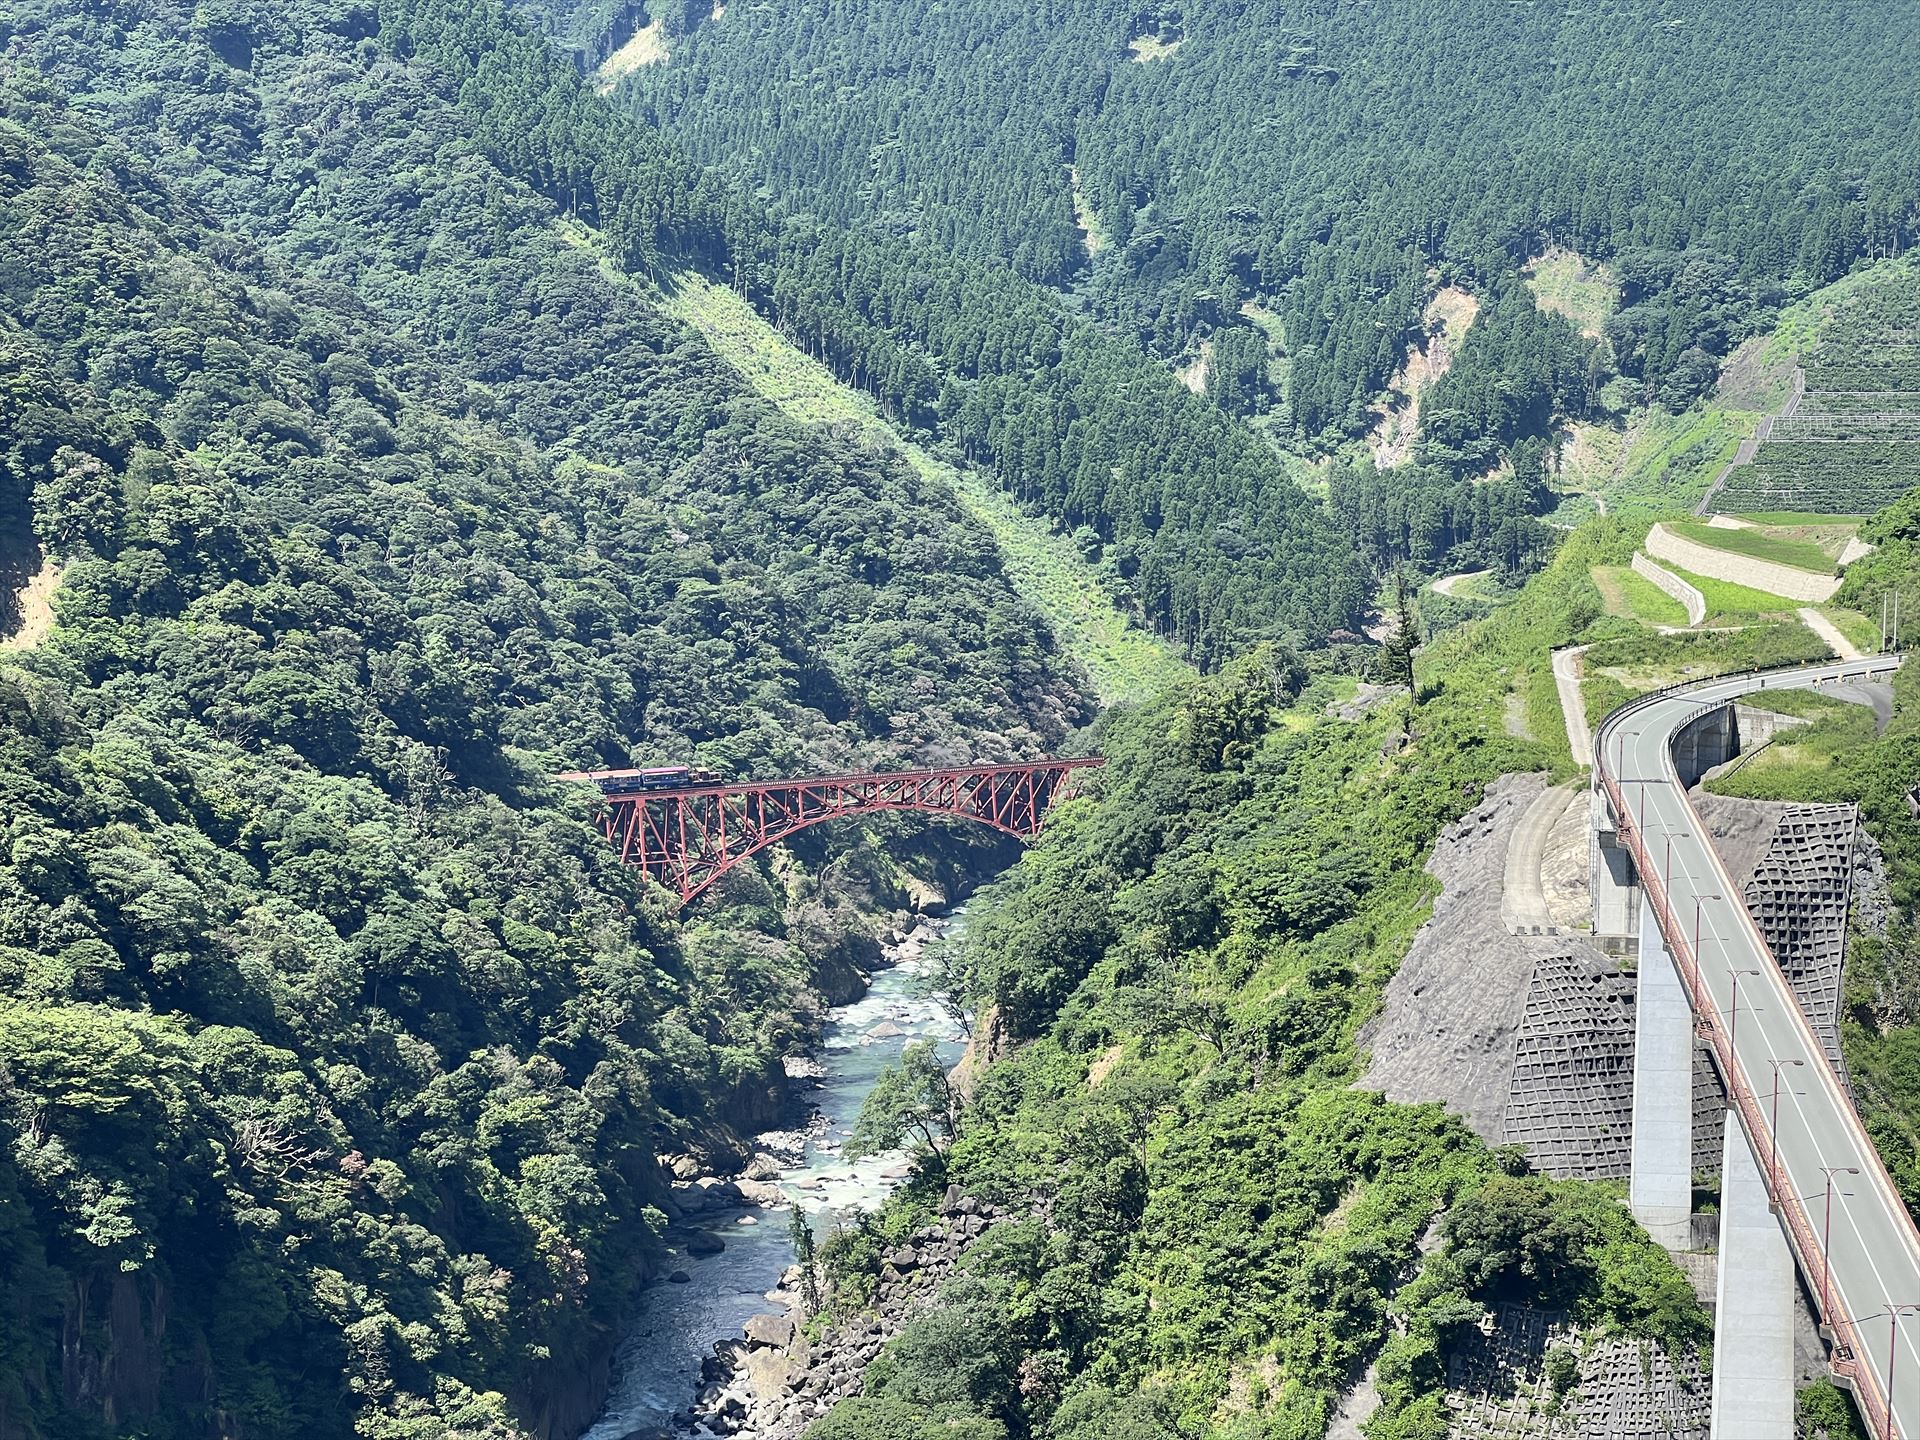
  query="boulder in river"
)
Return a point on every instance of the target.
[
  {"x": 702, "y": 1243},
  {"x": 760, "y": 1192},
  {"x": 678, "y": 1277}
]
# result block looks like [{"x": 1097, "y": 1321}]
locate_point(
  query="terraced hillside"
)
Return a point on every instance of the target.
[{"x": 1852, "y": 442}]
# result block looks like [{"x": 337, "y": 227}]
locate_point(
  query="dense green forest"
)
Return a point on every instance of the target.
[
  {"x": 1328, "y": 155},
  {"x": 337, "y": 1049},
  {"x": 1203, "y": 527}
]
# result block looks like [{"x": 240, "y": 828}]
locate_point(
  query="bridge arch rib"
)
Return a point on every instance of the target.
[{"x": 688, "y": 836}]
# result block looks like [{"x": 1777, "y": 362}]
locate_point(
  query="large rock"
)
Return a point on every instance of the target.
[
  {"x": 770, "y": 1374},
  {"x": 763, "y": 1167},
  {"x": 760, "y": 1192},
  {"x": 689, "y": 1201},
  {"x": 774, "y": 1330},
  {"x": 904, "y": 1259},
  {"x": 702, "y": 1243}
]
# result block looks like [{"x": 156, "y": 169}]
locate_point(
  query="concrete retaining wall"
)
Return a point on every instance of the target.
[
  {"x": 1757, "y": 727},
  {"x": 1688, "y": 595},
  {"x": 1704, "y": 742},
  {"x": 1782, "y": 580}
]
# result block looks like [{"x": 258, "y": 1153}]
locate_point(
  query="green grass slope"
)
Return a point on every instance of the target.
[{"x": 1049, "y": 569}]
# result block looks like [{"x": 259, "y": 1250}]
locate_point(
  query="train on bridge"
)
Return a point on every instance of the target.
[{"x": 646, "y": 781}]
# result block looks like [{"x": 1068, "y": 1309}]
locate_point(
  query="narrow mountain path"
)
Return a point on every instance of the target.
[
  {"x": 1449, "y": 585},
  {"x": 1523, "y": 896},
  {"x": 1573, "y": 706},
  {"x": 1829, "y": 634}
]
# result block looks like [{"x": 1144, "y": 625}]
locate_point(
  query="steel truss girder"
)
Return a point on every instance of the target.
[{"x": 687, "y": 838}]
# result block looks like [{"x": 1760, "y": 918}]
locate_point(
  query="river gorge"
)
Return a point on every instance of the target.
[{"x": 669, "y": 1352}]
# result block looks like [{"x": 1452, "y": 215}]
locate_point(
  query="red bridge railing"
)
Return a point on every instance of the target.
[{"x": 686, "y": 836}]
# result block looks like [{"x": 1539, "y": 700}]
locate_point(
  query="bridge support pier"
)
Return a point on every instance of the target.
[
  {"x": 1612, "y": 882},
  {"x": 1660, "y": 1188},
  {"x": 1753, "y": 1358}
]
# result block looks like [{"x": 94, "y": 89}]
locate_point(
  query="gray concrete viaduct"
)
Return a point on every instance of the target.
[{"x": 1705, "y": 966}]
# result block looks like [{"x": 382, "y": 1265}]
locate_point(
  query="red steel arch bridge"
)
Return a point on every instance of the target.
[{"x": 686, "y": 830}]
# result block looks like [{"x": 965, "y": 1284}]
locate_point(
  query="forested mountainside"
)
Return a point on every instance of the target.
[
  {"x": 1212, "y": 1231},
  {"x": 337, "y": 1049},
  {"x": 1201, "y": 525},
  {"x": 1322, "y": 157}
]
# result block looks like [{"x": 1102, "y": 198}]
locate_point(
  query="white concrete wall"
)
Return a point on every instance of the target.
[
  {"x": 1689, "y": 596},
  {"x": 1757, "y": 726},
  {"x": 1610, "y": 877},
  {"x": 1782, "y": 580}
]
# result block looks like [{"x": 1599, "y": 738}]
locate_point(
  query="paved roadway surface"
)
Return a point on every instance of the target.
[{"x": 1874, "y": 1251}]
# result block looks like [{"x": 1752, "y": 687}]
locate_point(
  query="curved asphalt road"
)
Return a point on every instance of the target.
[{"x": 1874, "y": 1250}]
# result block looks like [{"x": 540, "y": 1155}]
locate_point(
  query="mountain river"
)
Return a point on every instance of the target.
[{"x": 657, "y": 1368}]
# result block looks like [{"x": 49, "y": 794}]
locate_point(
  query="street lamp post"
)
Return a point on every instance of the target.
[
  {"x": 1733, "y": 1013},
  {"x": 1666, "y": 864},
  {"x": 1620, "y": 749},
  {"x": 1894, "y": 1312},
  {"x": 1773, "y": 1124},
  {"x": 1640, "y": 820},
  {"x": 1826, "y": 1238},
  {"x": 1641, "y": 823}
]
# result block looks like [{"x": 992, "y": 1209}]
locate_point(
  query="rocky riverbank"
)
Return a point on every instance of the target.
[{"x": 775, "y": 1381}]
